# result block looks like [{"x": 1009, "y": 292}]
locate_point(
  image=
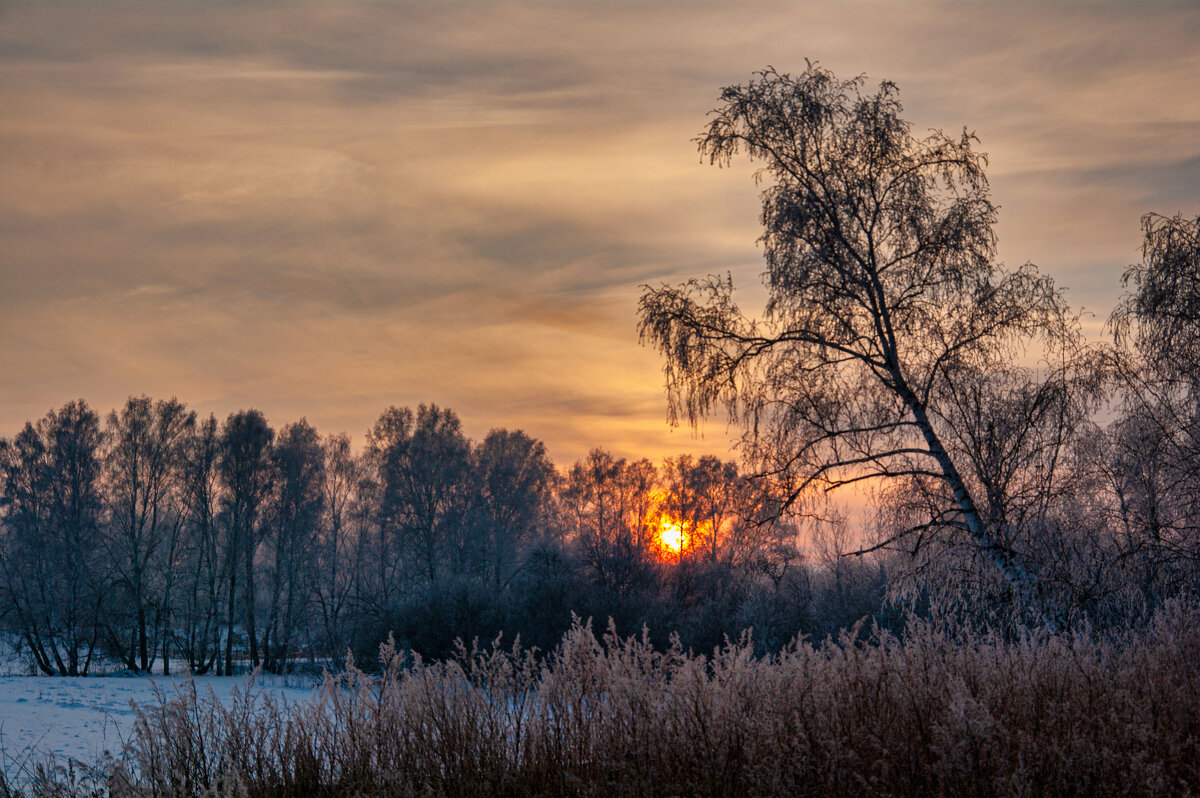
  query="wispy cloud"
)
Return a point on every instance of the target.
[{"x": 325, "y": 208}]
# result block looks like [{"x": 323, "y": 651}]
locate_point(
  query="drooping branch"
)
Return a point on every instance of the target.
[{"x": 881, "y": 285}]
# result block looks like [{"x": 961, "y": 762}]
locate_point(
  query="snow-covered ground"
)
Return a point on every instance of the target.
[{"x": 81, "y": 718}]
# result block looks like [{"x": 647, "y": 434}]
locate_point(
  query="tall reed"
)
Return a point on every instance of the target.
[{"x": 933, "y": 713}]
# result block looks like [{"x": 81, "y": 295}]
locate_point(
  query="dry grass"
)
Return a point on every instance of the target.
[{"x": 926, "y": 715}]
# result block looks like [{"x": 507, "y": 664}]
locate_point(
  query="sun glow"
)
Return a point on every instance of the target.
[{"x": 671, "y": 535}]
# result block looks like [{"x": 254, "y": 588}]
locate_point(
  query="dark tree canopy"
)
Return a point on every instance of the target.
[{"x": 883, "y": 295}]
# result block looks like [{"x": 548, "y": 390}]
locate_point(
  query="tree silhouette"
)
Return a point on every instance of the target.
[
  {"x": 245, "y": 469},
  {"x": 423, "y": 463},
  {"x": 198, "y": 618},
  {"x": 607, "y": 502},
  {"x": 51, "y": 552},
  {"x": 513, "y": 477},
  {"x": 337, "y": 574},
  {"x": 145, "y": 520},
  {"x": 295, "y": 516},
  {"x": 882, "y": 288}
]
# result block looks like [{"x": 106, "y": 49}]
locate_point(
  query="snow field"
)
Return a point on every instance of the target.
[{"x": 83, "y": 718}]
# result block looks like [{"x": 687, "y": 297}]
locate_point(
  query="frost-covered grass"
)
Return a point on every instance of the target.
[{"x": 934, "y": 713}]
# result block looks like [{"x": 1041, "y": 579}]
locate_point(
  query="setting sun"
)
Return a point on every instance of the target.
[{"x": 672, "y": 535}]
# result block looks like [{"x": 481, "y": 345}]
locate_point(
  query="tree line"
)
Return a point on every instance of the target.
[{"x": 154, "y": 535}]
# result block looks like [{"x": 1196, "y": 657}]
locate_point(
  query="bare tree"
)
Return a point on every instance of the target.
[
  {"x": 608, "y": 503},
  {"x": 245, "y": 469},
  {"x": 680, "y": 498},
  {"x": 710, "y": 496},
  {"x": 338, "y": 546},
  {"x": 882, "y": 287},
  {"x": 51, "y": 552},
  {"x": 1160, "y": 314},
  {"x": 1154, "y": 445},
  {"x": 514, "y": 476},
  {"x": 423, "y": 461},
  {"x": 378, "y": 513},
  {"x": 145, "y": 517},
  {"x": 203, "y": 555},
  {"x": 296, "y": 508}
]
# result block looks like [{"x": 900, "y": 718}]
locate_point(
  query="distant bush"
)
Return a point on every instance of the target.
[{"x": 931, "y": 713}]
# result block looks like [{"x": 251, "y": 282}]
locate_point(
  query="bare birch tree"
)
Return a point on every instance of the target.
[{"x": 882, "y": 284}]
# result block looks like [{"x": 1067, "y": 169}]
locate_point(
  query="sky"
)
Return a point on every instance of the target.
[{"x": 324, "y": 209}]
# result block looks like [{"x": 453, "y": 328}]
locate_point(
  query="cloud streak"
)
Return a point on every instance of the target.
[{"x": 323, "y": 209}]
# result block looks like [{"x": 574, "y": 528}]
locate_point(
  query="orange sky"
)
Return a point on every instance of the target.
[{"x": 323, "y": 209}]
